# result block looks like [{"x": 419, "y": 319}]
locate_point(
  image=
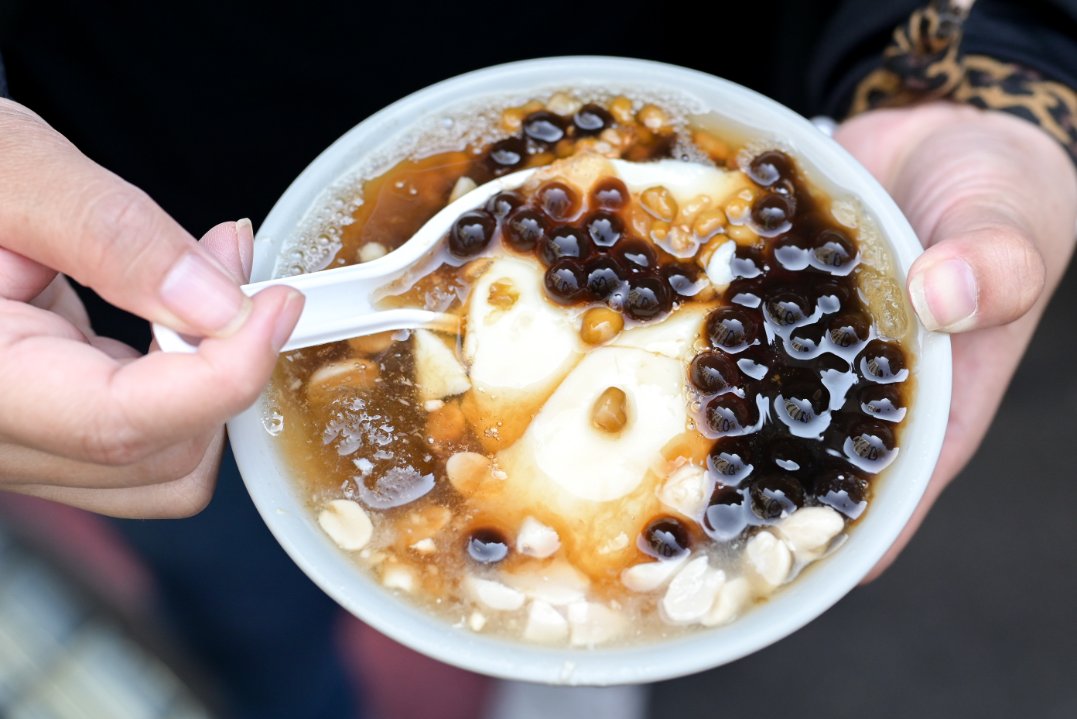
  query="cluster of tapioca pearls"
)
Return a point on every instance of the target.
[
  {"x": 794, "y": 318},
  {"x": 589, "y": 255},
  {"x": 564, "y": 126}
]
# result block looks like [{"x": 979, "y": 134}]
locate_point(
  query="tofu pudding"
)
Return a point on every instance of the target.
[{"x": 664, "y": 401}]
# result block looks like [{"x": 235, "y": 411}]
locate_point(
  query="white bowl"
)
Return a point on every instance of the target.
[{"x": 274, "y": 491}]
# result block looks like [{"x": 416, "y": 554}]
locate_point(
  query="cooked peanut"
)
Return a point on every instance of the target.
[
  {"x": 692, "y": 208},
  {"x": 372, "y": 251},
  {"x": 512, "y": 119},
  {"x": 621, "y": 109},
  {"x": 659, "y": 231},
  {"x": 708, "y": 143},
  {"x": 659, "y": 202},
  {"x": 610, "y": 411},
  {"x": 420, "y": 524},
  {"x": 639, "y": 220},
  {"x": 463, "y": 186},
  {"x": 600, "y": 324},
  {"x": 653, "y": 118},
  {"x": 328, "y": 380},
  {"x": 742, "y": 234},
  {"x": 708, "y": 222},
  {"x": 562, "y": 103},
  {"x": 468, "y": 471},
  {"x": 736, "y": 211},
  {"x": 371, "y": 344},
  {"x": 503, "y": 294},
  {"x": 446, "y": 425}
]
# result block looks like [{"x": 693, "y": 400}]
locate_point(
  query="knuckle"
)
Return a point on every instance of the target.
[{"x": 118, "y": 218}]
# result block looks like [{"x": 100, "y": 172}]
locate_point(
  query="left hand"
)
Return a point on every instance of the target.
[{"x": 994, "y": 200}]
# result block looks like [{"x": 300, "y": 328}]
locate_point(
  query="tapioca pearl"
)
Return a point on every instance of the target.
[
  {"x": 729, "y": 415},
  {"x": 686, "y": 280},
  {"x": 647, "y": 298},
  {"x": 563, "y": 242},
  {"x": 504, "y": 204},
  {"x": 832, "y": 297},
  {"x": 848, "y": 329},
  {"x": 803, "y": 395},
  {"x": 776, "y": 495},
  {"x": 730, "y": 460},
  {"x": 746, "y": 293},
  {"x": 773, "y": 213},
  {"x": 833, "y": 252},
  {"x": 870, "y": 446},
  {"x": 795, "y": 456},
  {"x": 508, "y": 154},
  {"x": 487, "y": 546},
  {"x": 565, "y": 281},
  {"x": 609, "y": 194},
  {"x": 882, "y": 362},
  {"x": 733, "y": 329},
  {"x": 591, "y": 119},
  {"x": 803, "y": 342},
  {"x": 604, "y": 228},
  {"x": 787, "y": 309},
  {"x": 769, "y": 167},
  {"x": 524, "y": 229},
  {"x": 604, "y": 275},
  {"x": 726, "y": 516},
  {"x": 791, "y": 252},
  {"x": 635, "y": 255},
  {"x": 713, "y": 372},
  {"x": 471, "y": 233},
  {"x": 544, "y": 127},
  {"x": 747, "y": 263},
  {"x": 558, "y": 201},
  {"x": 665, "y": 538},
  {"x": 882, "y": 401},
  {"x": 843, "y": 490}
]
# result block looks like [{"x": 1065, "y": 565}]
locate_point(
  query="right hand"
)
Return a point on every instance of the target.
[{"x": 86, "y": 420}]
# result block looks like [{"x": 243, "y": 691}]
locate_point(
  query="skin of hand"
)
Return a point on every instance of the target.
[
  {"x": 994, "y": 200},
  {"x": 86, "y": 420}
]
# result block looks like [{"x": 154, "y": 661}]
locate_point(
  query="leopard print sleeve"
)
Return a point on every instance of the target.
[{"x": 925, "y": 61}]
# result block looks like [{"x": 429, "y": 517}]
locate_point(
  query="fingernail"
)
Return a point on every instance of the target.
[
  {"x": 204, "y": 297},
  {"x": 245, "y": 237},
  {"x": 945, "y": 295},
  {"x": 286, "y": 319}
]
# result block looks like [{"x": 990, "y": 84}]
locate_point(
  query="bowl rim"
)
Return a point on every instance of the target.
[{"x": 826, "y": 582}]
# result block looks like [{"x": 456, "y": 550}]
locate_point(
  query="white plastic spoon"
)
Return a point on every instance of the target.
[{"x": 340, "y": 302}]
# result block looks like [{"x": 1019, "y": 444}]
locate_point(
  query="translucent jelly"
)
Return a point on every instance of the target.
[{"x": 664, "y": 402}]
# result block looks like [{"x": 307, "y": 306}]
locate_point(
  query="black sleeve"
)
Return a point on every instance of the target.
[
  {"x": 3, "y": 80},
  {"x": 1038, "y": 34}
]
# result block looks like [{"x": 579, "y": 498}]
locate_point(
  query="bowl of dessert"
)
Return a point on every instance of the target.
[{"x": 672, "y": 422}]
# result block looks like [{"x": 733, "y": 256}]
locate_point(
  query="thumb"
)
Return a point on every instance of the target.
[
  {"x": 981, "y": 269},
  {"x": 61, "y": 210}
]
